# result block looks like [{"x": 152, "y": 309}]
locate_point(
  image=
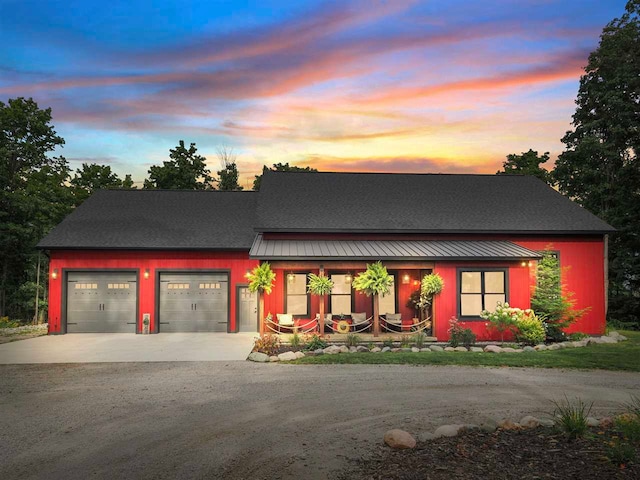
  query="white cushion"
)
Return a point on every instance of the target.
[
  {"x": 285, "y": 319},
  {"x": 393, "y": 317},
  {"x": 359, "y": 318}
]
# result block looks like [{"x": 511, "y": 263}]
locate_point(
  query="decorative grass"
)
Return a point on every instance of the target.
[{"x": 620, "y": 356}]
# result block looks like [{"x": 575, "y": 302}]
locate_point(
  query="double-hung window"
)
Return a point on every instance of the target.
[
  {"x": 480, "y": 289},
  {"x": 297, "y": 298},
  {"x": 341, "y": 294}
]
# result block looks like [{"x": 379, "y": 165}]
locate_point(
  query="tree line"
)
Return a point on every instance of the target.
[{"x": 599, "y": 169}]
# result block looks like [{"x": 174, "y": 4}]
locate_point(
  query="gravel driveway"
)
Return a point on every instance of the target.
[{"x": 244, "y": 420}]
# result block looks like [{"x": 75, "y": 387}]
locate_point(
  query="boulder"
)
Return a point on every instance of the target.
[
  {"x": 529, "y": 422},
  {"x": 461, "y": 349},
  {"x": 592, "y": 422},
  {"x": 376, "y": 349},
  {"x": 540, "y": 347},
  {"x": 332, "y": 350},
  {"x": 492, "y": 349},
  {"x": 287, "y": 356},
  {"x": 396, "y": 349},
  {"x": 488, "y": 425},
  {"x": 361, "y": 348},
  {"x": 319, "y": 351},
  {"x": 399, "y": 439},
  {"x": 343, "y": 349},
  {"x": 274, "y": 358},
  {"x": 436, "y": 348},
  {"x": 554, "y": 346},
  {"x": 425, "y": 349},
  {"x": 386, "y": 349},
  {"x": 299, "y": 354},
  {"x": 547, "y": 422},
  {"x": 508, "y": 350},
  {"x": 528, "y": 349},
  {"x": 449, "y": 349},
  {"x": 405, "y": 349},
  {"x": 476, "y": 349},
  {"x": 448, "y": 430},
  {"x": 507, "y": 424},
  {"x": 415, "y": 349},
  {"x": 258, "y": 357},
  {"x": 353, "y": 349}
]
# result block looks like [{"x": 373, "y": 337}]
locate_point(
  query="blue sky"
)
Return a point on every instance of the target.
[{"x": 353, "y": 85}]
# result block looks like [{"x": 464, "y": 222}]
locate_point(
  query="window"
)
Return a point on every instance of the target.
[
  {"x": 178, "y": 286},
  {"x": 209, "y": 286},
  {"x": 87, "y": 286},
  {"x": 297, "y": 299},
  {"x": 480, "y": 290},
  {"x": 117, "y": 286},
  {"x": 341, "y": 294},
  {"x": 387, "y": 304}
]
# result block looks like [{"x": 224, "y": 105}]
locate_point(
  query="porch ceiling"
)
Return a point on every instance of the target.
[{"x": 388, "y": 250}]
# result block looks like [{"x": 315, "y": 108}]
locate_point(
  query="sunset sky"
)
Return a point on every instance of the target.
[{"x": 390, "y": 86}]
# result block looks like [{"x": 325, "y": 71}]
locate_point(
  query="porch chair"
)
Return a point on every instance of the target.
[
  {"x": 360, "y": 322},
  {"x": 285, "y": 320},
  {"x": 327, "y": 321},
  {"x": 393, "y": 320}
]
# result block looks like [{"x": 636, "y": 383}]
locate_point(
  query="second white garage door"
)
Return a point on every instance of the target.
[{"x": 194, "y": 302}]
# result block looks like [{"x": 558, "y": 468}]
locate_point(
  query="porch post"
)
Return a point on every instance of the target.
[
  {"x": 376, "y": 318},
  {"x": 261, "y": 310},
  {"x": 321, "y": 306}
]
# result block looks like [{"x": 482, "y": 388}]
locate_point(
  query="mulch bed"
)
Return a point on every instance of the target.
[{"x": 539, "y": 453}]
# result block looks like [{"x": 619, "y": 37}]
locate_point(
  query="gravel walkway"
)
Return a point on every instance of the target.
[{"x": 241, "y": 420}]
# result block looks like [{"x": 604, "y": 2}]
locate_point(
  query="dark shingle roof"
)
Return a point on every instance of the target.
[
  {"x": 158, "y": 219},
  {"x": 436, "y": 203},
  {"x": 281, "y": 249}
]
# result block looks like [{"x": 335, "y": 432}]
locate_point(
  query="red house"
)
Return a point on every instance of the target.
[{"x": 179, "y": 258}]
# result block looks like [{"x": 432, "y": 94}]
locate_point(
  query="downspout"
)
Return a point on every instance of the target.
[{"x": 606, "y": 275}]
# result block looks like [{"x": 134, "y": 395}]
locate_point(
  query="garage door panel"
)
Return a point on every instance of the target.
[
  {"x": 193, "y": 302},
  {"x": 101, "y": 302}
]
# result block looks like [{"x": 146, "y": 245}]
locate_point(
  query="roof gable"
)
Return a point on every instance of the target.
[{"x": 404, "y": 203}]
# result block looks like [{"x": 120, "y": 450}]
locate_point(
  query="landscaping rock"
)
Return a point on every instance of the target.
[
  {"x": 319, "y": 351},
  {"x": 343, "y": 349},
  {"x": 507, "y": 424},
  {"x": 258, "y": 357},
  {"x": 405, "y": 349},
  {"x": 449, "y": 349},
  {"x": 426, "y": 437},
  {"x": 299, "y": 354},
  {"x": 553, "y": 346},
  {"x": 540, "y": 348},
  {"x": 425, "y": 349},
  {"x": 528, "y": 349},
  {"x": 461, "y": 349},
  {"x": 492, "y": 349},
  {"x": 592, "y": 422},
  {"x": 396, "y": 349},
  {"x": 562, "y": 345},
  {"x": 415, "y": 349},
  {"x": 361, "y": 348},
  {"x": 332, "y": 350},
  {"x": 508, "y": 350},
  {"x": 476, "y": 349},
  {"x": 386, "y": 349},
  {"x": 436, "y": 348},
  {"x": 617, "y": 335},
  {"x": 547, "y": 422},
  {"x": 287, "y": 356},
  {"x": 376, "y": 349},
  {"x": 448, "y": 430},
  {"x": 529, "y": 422},
  {"x": 353, "y": 349},
  {"x": 488, "y": 425},
  {"x": 399, "y": 439},
  {"x": 274, "y": 358}
]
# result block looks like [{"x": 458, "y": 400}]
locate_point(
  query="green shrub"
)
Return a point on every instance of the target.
[
  {"x": 571, "y": 417},
  {"x": 530, "y": 329},
  {"x": 419, "y": 339},
  {"x": 352, "y": 340},
  {"x": 295, "y": 340},
  {"x": 629, "y": 427},
  {"x": 267, "y": 343},
  {"x": 387, "y": 342},
  {"x": 315, "y": 342},
  {"x": 620, "y": 453},
  {"x": 6, "y": 323},
  {"x": 577, "y": 336},
  {"x": 502, "y": 319}
]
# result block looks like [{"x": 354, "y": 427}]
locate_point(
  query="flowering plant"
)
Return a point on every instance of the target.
[
  {"x": 459, "y": 335},
  {"x": 524, "y": 324}
]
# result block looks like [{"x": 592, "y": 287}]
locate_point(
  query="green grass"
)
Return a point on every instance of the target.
[{"x": 619, "y": 356}]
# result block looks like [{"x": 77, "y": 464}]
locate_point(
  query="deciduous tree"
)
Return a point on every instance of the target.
[
  {"x": 185, "y": 170},
  {"x": 528, "y": 163},
  {"x": 280, "y": 167}
]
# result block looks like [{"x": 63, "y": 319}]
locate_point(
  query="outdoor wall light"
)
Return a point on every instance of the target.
[
  {"x": 406, "y": 278},
  {"x": 54, "y": 274},
  {"x": 530, "y": 264},
  {"x": 146, "y": 273},
  {"x": 348, "y": 278},
  {"x": 248, "y": 274},
  {"x": 524, "y": 264},
  {"x": 291, "y": 277}
]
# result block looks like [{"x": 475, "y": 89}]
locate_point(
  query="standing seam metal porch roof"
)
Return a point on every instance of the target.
[{"x": 279, "y": 249}]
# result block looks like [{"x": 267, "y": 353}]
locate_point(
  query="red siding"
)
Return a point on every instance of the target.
[{"x": 237, "y": 262}]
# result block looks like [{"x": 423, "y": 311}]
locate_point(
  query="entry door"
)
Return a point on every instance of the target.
[
  {"x": 101, "y": 302},
  {"x": 194, "y": 302},
  {"x": 248, "y": 308}
]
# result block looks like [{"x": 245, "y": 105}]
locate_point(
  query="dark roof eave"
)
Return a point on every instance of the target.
[
  {"x": 396, "y": 259},
  {"x": 435, "y": 231},
  {"x": 188, "y": 249}
]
